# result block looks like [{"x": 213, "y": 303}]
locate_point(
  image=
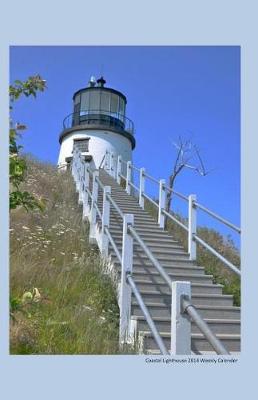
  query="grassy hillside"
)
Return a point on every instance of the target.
[{"x": 61, "y": 301}]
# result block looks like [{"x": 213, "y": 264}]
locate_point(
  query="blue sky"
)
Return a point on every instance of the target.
[{"x": 191, "y": 91}]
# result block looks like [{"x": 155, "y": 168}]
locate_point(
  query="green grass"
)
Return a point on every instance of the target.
[{"x": 76, "y": 310}]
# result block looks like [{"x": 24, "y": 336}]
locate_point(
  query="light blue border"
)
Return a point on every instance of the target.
[{"x": 168, "y": 23}]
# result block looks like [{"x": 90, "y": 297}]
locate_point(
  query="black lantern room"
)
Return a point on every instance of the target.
[{"x": 97, "y": 106}]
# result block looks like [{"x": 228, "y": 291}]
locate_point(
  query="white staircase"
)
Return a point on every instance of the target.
[
  {"x": 217, "y": 309},
  {"x": 214, "y": 308}
]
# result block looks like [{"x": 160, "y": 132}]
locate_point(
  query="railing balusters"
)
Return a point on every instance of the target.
[{"x": 125, "y": 289}]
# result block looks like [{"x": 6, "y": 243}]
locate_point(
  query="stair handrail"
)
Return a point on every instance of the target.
[
  {"x": 190, "y": 309},
  {"x": 118, "y": 254},
  {"x": 169, "y": 215},
  {"x": 150, "y": 200},
  {"x": 151, "y": 178},
  {"x": 117, "y": 208},
  {"x": 230, "y": 265},
  {"x": 101, "y": 163},
  {"x": 193, "y": 205},
  {"x": 187, "y": 306},
  {"x": 147, "y": 315},
  {"x": 77, "y": 168},
  {"x": 129, "y": 278},
  {"x": 150, "y": 255},
  {"x": 182, "y": 196},
  {"x": 218, "y": 217}
]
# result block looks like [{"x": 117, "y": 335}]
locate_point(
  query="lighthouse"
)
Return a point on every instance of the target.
[{"x": 97, "y": 125}]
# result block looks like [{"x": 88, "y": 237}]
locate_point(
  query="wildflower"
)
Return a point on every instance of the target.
[
  {"x": 36, "y": 295},
  {"x": 87, "y": 308},
  {"x": 27, "y": 296},
  {"x": 63, "y": 254},
  {"x": 25, "y": 228}
]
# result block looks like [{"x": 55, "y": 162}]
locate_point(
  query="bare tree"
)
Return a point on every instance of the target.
[{"x": 187, "y": 156}]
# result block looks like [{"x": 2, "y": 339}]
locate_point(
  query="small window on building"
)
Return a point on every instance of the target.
[{"x": 81, "y": 144}]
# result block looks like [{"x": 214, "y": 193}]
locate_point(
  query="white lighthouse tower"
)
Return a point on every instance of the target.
[{"x": 97, "y": 124}]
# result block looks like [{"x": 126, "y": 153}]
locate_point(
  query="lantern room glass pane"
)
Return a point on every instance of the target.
[
  {"x": 85, "y": 101},
  {"x": 77, "y": 99},
  {"x": 94, "y": 100},
  {"x": 105, "y": 101},
  {"x": 114, "y": 103},
  {"x": 121, "y": 109}
]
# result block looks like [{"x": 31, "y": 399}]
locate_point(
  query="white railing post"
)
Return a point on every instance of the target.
[
  {"x": 93, "y": 213},
  {"x": 180, "y": 322},
  {"x": 128, "y": 177},
  {"x": 191, "y": 226},
  {"x": 105, "y": 221},
  {"x": 119, "y": 169},
  {"x": 106, "y": 161},
  {"x": 142, "y": 187},
  {"x": 85, "y": 197},
  {"x": 112, "y": 165},
  {"x": 162, "y": 202},
  {"x": 109, "y": 163},
  {"x": 125, "y": 289}
]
